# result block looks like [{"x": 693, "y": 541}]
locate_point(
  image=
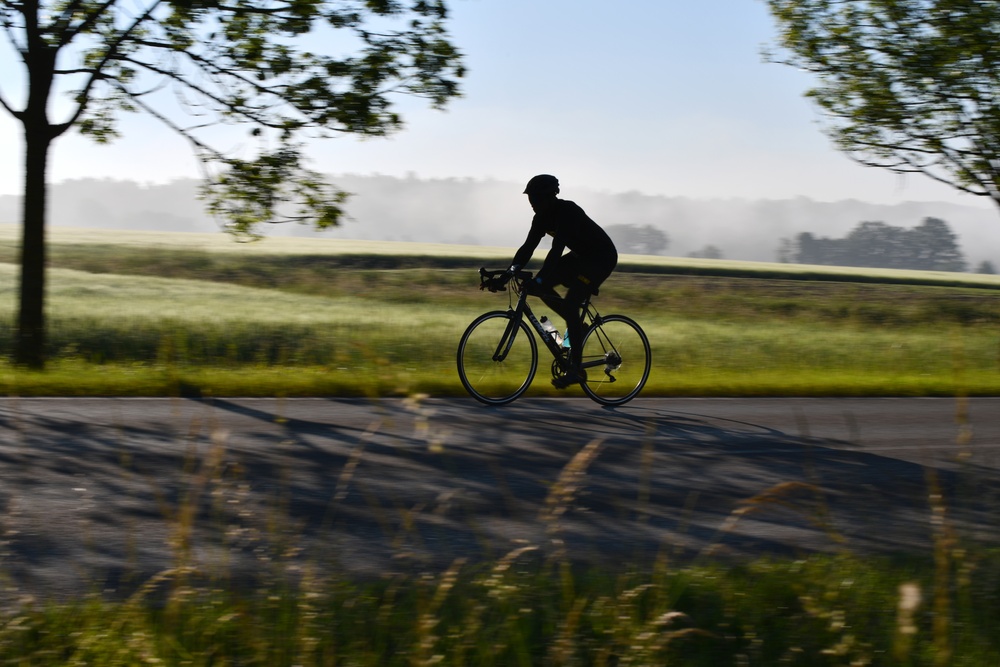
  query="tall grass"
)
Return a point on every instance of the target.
[{"x": 823, "y": 611}]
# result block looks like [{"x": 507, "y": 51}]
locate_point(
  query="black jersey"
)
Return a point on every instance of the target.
[{"x": 570, "y": 228}]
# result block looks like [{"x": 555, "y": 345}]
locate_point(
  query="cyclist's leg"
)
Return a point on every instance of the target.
[
  {"x": 549, "y": 296},
  {"x": 545, "y": 290},
  {"x": 573, "y": 313},
  {"x": 583, "y": 279},
  {"x": 572, "y": 272}
]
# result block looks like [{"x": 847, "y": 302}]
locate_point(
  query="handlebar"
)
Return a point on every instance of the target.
[{"x": 496, "y": 280}]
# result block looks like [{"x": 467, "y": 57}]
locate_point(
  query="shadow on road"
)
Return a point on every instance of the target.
[{"x": 238, "y": 487}]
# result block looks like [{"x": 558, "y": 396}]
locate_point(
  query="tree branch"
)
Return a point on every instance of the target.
[
  {"x": 907, "y": 86},
  {"x": 7, "y": 107},
  {"x": 62, "y": 24},
  {"x": 113, "y": 46},
  {"x": 246, "y": 112}
]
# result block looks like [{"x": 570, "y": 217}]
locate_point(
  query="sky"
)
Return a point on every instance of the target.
[{"x": 662, "y": 97}]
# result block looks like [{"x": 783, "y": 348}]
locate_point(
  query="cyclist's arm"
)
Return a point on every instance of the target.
[
  {"x": 551, "y": 259},
  {"x": 523, "y": 254}
]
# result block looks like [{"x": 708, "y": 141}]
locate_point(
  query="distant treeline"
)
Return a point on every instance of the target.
[
  {"x": 930, "y": 246},
  {"x": 495, "y": 213}
]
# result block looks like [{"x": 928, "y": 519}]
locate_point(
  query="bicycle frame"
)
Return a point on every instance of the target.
[{"x": 522, "y": 309}]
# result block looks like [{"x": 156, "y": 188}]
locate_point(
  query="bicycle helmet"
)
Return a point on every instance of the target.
[{"x": 543, "y": 184}]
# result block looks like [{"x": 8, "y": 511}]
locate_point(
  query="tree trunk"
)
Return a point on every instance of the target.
[
  {"x": 40, "y": 57},
  {"x": 29, "y": 348}
]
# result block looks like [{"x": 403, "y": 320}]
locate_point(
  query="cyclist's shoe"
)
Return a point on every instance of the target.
[{"x": 573, "y": 377}]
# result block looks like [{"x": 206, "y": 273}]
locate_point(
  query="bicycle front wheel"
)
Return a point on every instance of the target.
[
  {"x": 617, "y": 359},
  {"x": 497, "y": 358}
]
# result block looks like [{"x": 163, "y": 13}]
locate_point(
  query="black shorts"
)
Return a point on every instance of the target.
[{"x": 578, "y": 274}]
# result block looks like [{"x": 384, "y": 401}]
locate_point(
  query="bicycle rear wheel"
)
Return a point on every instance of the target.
[
  {"x": 617, "y": 359},
  {"x": 496, "y": 382}
]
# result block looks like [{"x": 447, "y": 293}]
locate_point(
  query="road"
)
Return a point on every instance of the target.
[{"x": 98, "y": 495}]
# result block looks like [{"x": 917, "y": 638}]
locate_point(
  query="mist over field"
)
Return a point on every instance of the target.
[{"x": 490, "y": 212}]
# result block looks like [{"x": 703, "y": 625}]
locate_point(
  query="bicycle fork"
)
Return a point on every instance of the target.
[{"x": 507, "y": 339}]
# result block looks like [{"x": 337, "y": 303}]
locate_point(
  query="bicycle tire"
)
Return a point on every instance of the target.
[
  {"x": 496, "y": 382},
  {"x": 624, "y": 347}
]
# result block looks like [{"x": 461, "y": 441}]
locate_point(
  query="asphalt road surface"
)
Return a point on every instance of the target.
[{"x": 98, "y": 495}]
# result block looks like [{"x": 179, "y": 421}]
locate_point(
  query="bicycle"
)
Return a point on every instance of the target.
[{"x": 498, "y": 356}]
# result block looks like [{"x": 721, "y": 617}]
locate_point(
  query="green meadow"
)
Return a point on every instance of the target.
[{"x": 134, "y": 313}]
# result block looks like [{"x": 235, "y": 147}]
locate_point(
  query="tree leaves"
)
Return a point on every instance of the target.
[
  {"x": 253, "y": 62},
  {"x": 273, "y": 187},
  {"x": 908, "y": 85}
]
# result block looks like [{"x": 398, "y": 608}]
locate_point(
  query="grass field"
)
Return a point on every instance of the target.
[{"x": 152, "y": 314}]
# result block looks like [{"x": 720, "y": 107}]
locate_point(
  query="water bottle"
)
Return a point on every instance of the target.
[
  {"x": 565, "y": 339},
  {"x": 550, "y": 330}
]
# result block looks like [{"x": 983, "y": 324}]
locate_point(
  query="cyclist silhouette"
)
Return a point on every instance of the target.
[{"x": 591, "y": 259}]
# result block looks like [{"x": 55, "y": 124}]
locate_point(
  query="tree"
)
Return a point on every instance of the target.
[
  {"x": 807, "y": 249},
  {"x": 876, "y": 244},
  {"x": 636, "y": 240},
  {"x": 708, "y": 252},
  {"x": 226, "y": 62},
  {"x": 907, "y": 85},
  {"x": 930, "y": 246},
  {"x": 934, "y": 247}
]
